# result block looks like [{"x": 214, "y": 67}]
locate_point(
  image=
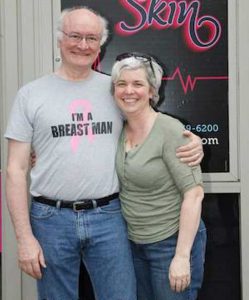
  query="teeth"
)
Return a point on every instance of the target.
[{"x": 129, "y": 100}]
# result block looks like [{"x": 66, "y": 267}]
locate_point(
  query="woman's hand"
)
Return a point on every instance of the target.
[{"x": 179, "y": 273}]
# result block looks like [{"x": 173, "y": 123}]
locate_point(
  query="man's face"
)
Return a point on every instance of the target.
[{"x": 78, "y": 52}]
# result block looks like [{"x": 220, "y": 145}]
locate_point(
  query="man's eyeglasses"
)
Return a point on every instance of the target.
[
  {"x": 76, "y": 38},
  {"x": 139, "y": 56}
]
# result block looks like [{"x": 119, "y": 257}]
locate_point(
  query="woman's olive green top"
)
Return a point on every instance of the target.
[{"x": 153, "y": 181}]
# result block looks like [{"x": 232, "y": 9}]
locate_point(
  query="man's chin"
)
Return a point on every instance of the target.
[{"x": 83, "y": 62}]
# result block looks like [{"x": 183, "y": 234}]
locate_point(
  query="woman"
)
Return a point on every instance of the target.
[{"x": 160, "y": 196}]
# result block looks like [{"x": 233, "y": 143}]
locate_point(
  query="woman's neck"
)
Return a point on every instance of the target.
[
  {"x": 138, "y": 127},
  {"x": 138, "y": 122}
]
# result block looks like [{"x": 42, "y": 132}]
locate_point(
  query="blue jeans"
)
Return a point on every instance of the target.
[
  {"x": 98, "y": 237},
  {"x": 152, "y": 263}
]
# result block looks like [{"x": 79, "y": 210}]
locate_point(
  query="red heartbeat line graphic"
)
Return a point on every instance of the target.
[{"x": 190, "y": 83}]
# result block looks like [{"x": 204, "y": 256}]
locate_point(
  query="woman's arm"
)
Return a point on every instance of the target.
[{"x": 179, "y": 272}]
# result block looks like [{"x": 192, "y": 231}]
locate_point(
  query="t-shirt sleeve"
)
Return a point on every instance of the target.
[
  {"x": 185, "y": 177},
  {"x": 19, "y": 124}
]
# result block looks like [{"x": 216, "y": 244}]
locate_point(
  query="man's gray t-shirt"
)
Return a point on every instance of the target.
[{"x": 73, "y": 127}]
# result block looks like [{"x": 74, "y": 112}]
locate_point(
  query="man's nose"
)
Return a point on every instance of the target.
[{"x": 83, "y": 44}]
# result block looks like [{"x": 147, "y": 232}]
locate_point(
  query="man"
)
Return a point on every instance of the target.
[{"x": 70, "y": 120}]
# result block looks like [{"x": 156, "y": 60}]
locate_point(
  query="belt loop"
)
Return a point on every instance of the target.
[
  {"x": 58, "y": 204},
  {"x": 94, "y": 202}
]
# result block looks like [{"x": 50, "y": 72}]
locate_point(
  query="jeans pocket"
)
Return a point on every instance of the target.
[
  {"x": 112, "y": 207},
  {"x": 41, "y": 211}
]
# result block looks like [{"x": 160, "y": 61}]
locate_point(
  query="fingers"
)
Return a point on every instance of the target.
[
  {"x": 32, "y": 158},
  {"x": 179, "y": 284},
  {"x": 42, "y": 260},
  {"x": 189, "y": 149},
  {"x": 31, "y": 267},
  {"x": 187, "y": 133},
  {"x": 30, "y": 256},
  {"x": 192, "y": 159},
  {"x": 192, "y": 152},
  {"x": 197, "y": 159},
  {"x": 179, "y": 273}
]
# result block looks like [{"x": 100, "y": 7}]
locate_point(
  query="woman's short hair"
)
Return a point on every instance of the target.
[
  {"x": 134, "y": 61},
  {"x": 103, "y": 22}
]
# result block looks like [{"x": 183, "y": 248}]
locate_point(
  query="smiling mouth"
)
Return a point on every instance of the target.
[
  {"x": 81, "y": 54},
  {"x": 129, "y": 100}
]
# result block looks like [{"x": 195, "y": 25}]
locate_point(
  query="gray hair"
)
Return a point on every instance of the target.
[
  {"x": 103, "y": 22},
  {"x": 133, "y": 63}
]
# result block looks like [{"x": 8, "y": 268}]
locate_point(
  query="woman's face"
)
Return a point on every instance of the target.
[{"x": 132, "y": 91}]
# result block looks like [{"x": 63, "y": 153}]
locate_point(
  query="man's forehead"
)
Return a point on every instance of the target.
[{"x": 82, "y": 18}]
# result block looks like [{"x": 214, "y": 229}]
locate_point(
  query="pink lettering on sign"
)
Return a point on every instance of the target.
[
  {"x": 85, "y": 107},
  {"x": 169, "y": 14}
]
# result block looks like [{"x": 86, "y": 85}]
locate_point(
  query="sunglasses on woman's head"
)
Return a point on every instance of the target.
[{"x": 139, "y": 56}]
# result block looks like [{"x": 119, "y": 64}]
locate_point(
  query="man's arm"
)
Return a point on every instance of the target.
[
  {"x": 192, "y": 153},
  {"x": 30, "y": 255}
]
